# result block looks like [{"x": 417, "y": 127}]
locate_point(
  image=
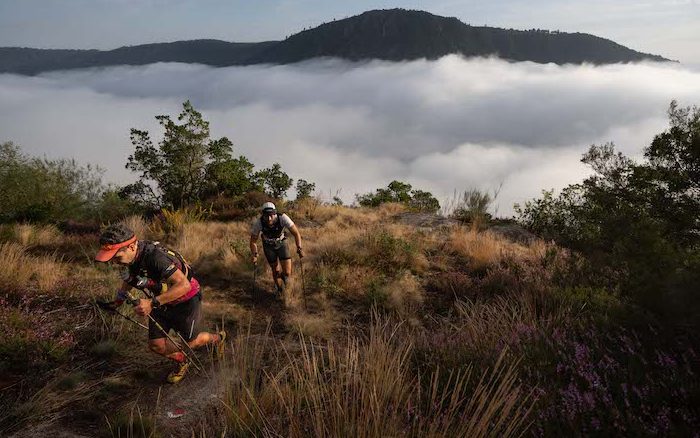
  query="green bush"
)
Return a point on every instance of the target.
[
  {"x": 43, "y": 190},
  {"x": 472, "y": 208},
  {"x": 637, "y": 223},
  {"x": 397, "y": 191}
]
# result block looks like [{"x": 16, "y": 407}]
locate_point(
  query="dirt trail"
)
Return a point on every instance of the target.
[
  {"x": 182, "y": 407},
  {"x": 179, "y": 409}
]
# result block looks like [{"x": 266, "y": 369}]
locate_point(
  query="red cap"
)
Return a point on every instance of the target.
[{"x": 108, "y": 250}]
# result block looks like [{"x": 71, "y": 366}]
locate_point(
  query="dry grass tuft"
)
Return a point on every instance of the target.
[
  {"x": 30, "y": 235},
  {"x": 20, "y": 269},
  {"x": 206, "y": 243},
  {"x": 49, "y": 404},
  {"x": 312, "y": 326},
  {"x": 405, "y": 294},
  {"x": 486, "y": 249},
  {"x": 313, "y": 209},
  {"x": 365, "y": 387},
  {"x": 138, "y": 225}
]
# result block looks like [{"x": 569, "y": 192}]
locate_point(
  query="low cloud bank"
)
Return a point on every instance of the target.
[{"x": 443, "y": 125}]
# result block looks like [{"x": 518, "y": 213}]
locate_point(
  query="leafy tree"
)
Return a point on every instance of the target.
[
  {"x": 398, "y": 191},
  {"x": 186, "y": 166},
  {"x": 232, "y": 177},
  {"x": 274, "y": 181},
  {"x": 638, "y": 223},
  {"x": 305, "y": 189}
]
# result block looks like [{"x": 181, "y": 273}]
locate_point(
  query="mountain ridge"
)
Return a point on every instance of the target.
[{"x": 390, "y": 35}]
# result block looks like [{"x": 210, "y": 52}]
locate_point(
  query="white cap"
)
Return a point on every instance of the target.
[{"x": 268, "y": 206}]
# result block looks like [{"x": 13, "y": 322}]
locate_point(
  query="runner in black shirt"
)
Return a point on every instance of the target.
[{"x": 174, "y": 293}]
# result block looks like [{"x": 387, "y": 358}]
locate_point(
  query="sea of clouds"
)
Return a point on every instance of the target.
[{"x": 443, "y": 126}]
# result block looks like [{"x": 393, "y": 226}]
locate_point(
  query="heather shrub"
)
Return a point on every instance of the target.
[
  {"x": 611, "y": 380},
  {"x": 30, "y": 340}
]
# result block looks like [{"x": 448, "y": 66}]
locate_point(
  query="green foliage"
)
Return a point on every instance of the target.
[
  {"x": 637, "y": 222},
  {"x": 305, "y": 189},
  {"x": 274, "y": 181},
  {"x": 41, "y": 190},
  {"x": 472, "y": 207},
  {"x": 186, "y": 166},
  {"x": 397, "y": 191},
  {"x": 232, "y": 177},
  {"x": 375, "y": 292}
]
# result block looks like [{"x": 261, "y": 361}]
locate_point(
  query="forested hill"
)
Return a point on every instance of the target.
[{"x": 393, "y": 35}]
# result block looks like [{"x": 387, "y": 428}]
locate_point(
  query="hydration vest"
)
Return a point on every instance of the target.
[
  {"x": 272, "y": 232},
  {"x": 138, "y": 278}
]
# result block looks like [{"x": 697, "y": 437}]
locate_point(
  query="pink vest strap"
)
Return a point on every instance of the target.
[{"x": 194, "y": 290}]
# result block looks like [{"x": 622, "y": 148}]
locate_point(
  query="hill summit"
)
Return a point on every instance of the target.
[{"x": 391, "y": 35}]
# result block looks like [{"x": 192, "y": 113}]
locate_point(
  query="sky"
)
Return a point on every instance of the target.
[
  {"x": 670, "y": 28},
  {"x": 444, "y": 126}
]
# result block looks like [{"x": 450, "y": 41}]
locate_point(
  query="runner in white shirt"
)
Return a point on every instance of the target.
[{"x": 270, "y": 226}]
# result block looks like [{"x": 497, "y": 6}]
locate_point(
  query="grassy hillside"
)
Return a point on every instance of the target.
[{"x": 398, "y": 327}]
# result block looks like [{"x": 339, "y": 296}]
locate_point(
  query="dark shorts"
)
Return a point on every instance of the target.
[
  {"x": 278, "y": 250},
  {"x": 184, "y": 318}
]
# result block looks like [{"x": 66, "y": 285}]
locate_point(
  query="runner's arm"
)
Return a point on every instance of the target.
[
  {"x": 253, "y": 245},
  {"x": 297, "y": 236},
  {"x": 178, "y": 285}
]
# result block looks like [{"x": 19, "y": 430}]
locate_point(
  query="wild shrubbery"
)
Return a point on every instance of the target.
[
  {"x": 403, "y": 193},
  {"x": 185, "y": 170},
  {"x": 43, "y": 190},
  {"x": 636, "y": 223}
]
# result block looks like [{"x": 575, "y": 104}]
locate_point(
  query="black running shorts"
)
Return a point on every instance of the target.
[
  {"x": 184, "y": 318},
  {"x": 277, "y": 250}
]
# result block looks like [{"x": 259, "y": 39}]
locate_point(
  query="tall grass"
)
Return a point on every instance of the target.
[
  {"x": 138, "y": 225},
  {"x": 21, "y": 270},
  {"x": 29, "y": 235},
  {"x": 366, "y": 387},
  {"x": 483, "y": 249}
]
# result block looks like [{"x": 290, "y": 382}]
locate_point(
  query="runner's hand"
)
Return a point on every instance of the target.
[
  {"x": 300, "y": 252},
  {"x": 254, "y": 259},
  {"x": 143, "y": 308}
]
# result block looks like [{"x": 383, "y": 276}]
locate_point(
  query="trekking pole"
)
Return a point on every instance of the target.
[
  {"x": 134, "y": 301},
  {"x": 255, "y": 280},
  {"x": 105, "y": 306},
  {"x": 194, "y": 354},
  {"x": 303, "y": 282}
]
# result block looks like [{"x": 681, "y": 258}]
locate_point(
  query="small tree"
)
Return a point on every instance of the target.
[
  {"x": 305, "y": 189},
  {"x": 423, "y": 201},
  {"x": 186, "y": 166},
  {"x": 274, "y": 181}
]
